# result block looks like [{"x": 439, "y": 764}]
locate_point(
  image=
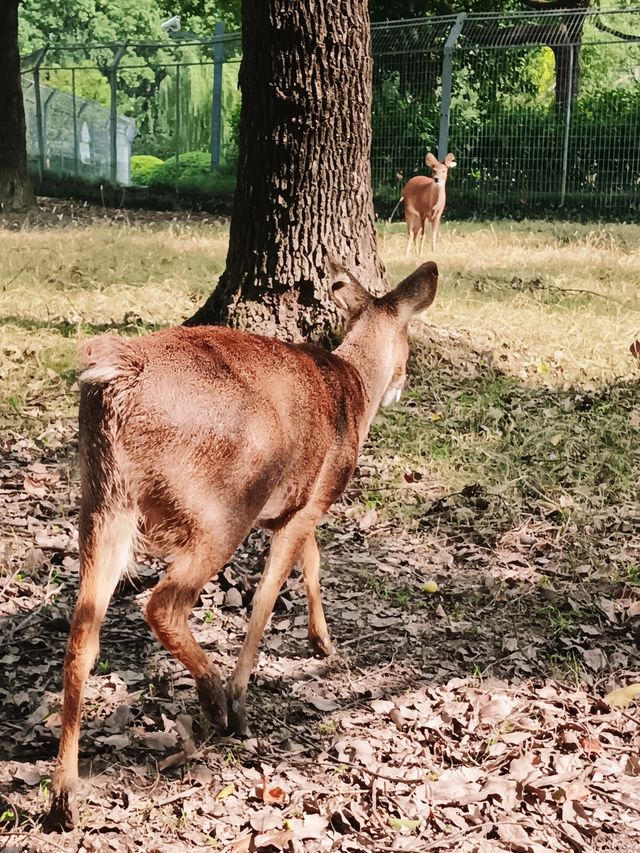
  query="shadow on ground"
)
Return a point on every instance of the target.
[{"x": 537, "y": 598}]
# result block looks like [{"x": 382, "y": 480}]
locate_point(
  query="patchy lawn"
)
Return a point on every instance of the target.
[{"x": 481, "y": 576}]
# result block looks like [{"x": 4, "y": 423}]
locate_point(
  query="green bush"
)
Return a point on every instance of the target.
[
  {"x": 192, "y": 173},
  {"x": 142, "y": 168}
]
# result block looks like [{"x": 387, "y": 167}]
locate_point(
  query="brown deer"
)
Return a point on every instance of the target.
[
  {"x": 190, "y": 437},
  {"x": 424, "y": 201}
]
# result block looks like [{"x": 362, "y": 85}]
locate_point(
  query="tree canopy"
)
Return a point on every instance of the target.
[{"x": 100, "y": 21}]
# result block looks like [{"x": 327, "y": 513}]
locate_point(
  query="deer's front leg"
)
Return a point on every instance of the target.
[
  {"x": 435, "y": 224},
  {"x": 409, "y": 241},
  {"x": 318, "y": 631},
  {"x": 286, "y": 548}
]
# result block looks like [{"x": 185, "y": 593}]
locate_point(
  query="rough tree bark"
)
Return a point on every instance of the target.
[
  {"x": 304, "y": 182},
  {"x": 16, "y": 191}
]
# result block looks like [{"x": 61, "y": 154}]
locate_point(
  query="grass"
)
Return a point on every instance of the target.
[
  {"x": 522, "y": 388},
  {"x": 59, "y": 286},
  {"x": 523, "y": 394}
]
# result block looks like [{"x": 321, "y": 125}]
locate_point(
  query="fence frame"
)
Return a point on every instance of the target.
[
  {"x": 120, "y": 49},
  {"x": 434, "y": 42},
  {"x": 216, "y": 100},
  {"x": 447, "y": 82}
]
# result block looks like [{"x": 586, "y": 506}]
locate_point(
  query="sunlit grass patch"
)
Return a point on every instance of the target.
[
  {"x": 556, "y": 304},
  {"x": 500, "y": 447},
  {"x": 61, "y": 286},
  {"x": 507, "y": 318}
]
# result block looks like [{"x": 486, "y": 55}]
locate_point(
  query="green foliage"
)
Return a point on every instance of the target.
[
  {"x": 142, "y": 168},
  {"x": 191, "y": 172},
  {"x": 87, "y": 21},
  {"x": 104, "y": 21},
  {"x": 390, "y": 10},
  {"x": 182, "y": 110},
  {"x": 90, "y": 82},
  {"x": 502, "y": 163},
  {"x": 198, "y": 16},
  {"x": 191, "y": 168},
  {"x": 404, "y": 128}
]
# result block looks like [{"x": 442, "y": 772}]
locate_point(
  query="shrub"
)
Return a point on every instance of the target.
[
  {"x": 193, "y": 174},
  {"x": 142, "y": 168}
]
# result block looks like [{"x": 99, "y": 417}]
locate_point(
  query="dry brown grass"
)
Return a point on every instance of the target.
[
  {"x": 501, "y": 282},
  {"x": 510, "y": 286}
]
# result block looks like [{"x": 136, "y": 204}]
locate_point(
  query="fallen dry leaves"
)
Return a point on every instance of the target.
[{"x": 498, "y": 713}]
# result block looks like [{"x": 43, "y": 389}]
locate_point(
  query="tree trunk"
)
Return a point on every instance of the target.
[
  {"x": 570, "y": 30},
  {"x": 304, "y": 177},
  {"x": 16, "y": 191}
]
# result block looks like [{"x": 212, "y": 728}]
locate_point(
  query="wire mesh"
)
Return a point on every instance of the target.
[
  {"x": 541, "y": 109},
  {"x": 544, "y": 116},
  {"x": 135, "y": 113},
  {"x": 406, "y": 104}
]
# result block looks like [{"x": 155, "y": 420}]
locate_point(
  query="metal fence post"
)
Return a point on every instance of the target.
[
  {"x": 45, "y": 121},
  {"x": 36, "y": 86},
  {"x": 216, "y": 101},
  {"x": 567, "y": 124},
  {"x": 75, "y": 122},
  {"x": 177, "y": 134},
  {"x": 447, "y": 70},
  {"x": 113, "y": 123}
]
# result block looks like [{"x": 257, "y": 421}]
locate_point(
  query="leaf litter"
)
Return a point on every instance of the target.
[
  {"x": 439, "y": 725},
  {"x": 498, "y": 712}
]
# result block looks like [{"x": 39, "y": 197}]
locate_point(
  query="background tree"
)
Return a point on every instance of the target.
[
  {"x": 101, "y": 21},
  {"x": 561, "y": 36},
  {"x": 15, "y": 187},
  {"x": 304, "y": 185},
  {"x": 147, "y": 90}
]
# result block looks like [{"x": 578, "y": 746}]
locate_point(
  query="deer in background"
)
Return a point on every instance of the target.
[
  {"x": 190, "y": 437},
  {"x": 424, "y": 201}
]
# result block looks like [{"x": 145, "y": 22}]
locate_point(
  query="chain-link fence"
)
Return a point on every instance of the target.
[
  {"x": 132, "y": 113},
  {"x": 542, "y": 111}
]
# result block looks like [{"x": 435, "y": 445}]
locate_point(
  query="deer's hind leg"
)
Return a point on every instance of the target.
[
  {"x": 172, "y": 601},
  {"x": 318, "y": 630},
  {"x": 106, "y": 539}
]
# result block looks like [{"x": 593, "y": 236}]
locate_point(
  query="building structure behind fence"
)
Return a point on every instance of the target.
[{"x": 542, "y": 110}]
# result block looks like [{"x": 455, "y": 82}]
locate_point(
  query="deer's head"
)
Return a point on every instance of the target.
[
  {"x": 377, "y": 327},
  {"x": 439, "y": 171}
]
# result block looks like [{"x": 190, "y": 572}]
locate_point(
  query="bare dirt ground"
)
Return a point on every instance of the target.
[{"x": 471, "y": 718}]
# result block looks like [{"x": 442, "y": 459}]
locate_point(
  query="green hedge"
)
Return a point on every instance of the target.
[
  {"x": 191, "y": 172},
  {"x": 142, "y": 168}
]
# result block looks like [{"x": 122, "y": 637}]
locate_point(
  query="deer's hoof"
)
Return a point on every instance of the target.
[
  {"x": 63, "y": 813},
  {"x": 213, "y": 701},
  {"x": 321, "y": 646},
  {"x": 237, "y": 716}
]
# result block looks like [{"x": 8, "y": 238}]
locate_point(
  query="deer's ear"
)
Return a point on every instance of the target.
[
  {"x": 346, "y": 291},
  {"x": 416, "y": 292},
  {"x": 431, "y": 160},
  {"x": 350, "y": 296},
  {"x": 450, "y": 161}
]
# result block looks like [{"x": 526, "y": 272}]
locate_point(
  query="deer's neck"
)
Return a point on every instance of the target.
[{"x": 368, "y": 351}]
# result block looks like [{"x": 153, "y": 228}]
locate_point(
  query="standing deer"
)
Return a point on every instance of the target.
[
  {"x": 193, "y": 436},
  {"x": 424, "y": 200}
]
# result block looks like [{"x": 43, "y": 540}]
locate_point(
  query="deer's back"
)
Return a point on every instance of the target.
[{"x": 209, "y": 414}]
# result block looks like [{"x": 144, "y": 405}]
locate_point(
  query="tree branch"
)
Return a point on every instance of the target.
[{"x": 600, "y": 25}]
